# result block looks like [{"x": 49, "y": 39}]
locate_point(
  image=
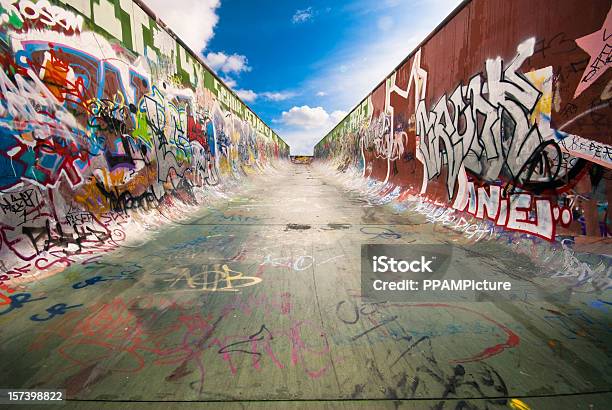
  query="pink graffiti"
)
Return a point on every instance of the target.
[
  {"x": 599, "y": 46},
  {"x": 111, "y": 329}
]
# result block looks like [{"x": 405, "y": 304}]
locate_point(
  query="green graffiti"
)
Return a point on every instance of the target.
[
  {"x": 141, "y": 131},
  {"x": 10, "y": 16}
]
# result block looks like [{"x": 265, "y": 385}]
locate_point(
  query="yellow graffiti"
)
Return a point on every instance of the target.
[
  {"x": 118, "y": 181},
  {"x": 224, "y": 280},
  {"x": 543, "y": 83},
  {"x": 517, "y": 404},
  {"x": 90, "y": 198}
]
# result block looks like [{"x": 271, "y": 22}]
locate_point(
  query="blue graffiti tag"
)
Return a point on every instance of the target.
[
  {"x": 57, "y": 309},
  {"x": 97, "y": 279},
  {"x": 18, "y": 300}
]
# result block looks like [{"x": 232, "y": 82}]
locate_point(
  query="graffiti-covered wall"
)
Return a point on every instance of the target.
[
  {"x": 104, "y": 113},
  {"x": 504, "y": 112}
]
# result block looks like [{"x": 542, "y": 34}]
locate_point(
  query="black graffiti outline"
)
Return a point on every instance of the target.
[
  {"x": 384, "y": 233},
  {"x": 252, "y": 338}
]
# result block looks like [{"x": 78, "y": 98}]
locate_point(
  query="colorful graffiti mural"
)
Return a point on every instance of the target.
[
  {"x": 104, "y": 113},
  {"x": 513, "y": 128}
]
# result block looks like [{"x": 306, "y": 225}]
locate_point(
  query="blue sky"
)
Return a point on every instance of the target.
[{"x": 302, "y": 65}]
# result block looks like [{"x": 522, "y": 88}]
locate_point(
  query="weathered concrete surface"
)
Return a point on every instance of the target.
[{"x": 295, "y": 328}]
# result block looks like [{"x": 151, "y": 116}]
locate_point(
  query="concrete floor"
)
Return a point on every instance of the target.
[{"x": 295, "y": 328}]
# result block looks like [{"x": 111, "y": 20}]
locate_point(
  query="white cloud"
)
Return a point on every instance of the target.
[
  {"x": 278, "y": 95},
  {"x": 250, "y": 95},
  {"x": 384, "y": 23},
  {"x": 321, "y": 94},
  {"x": 230, "y": 82},
  {"x": 223, "y": 63},
  {"x": 337, "y": 116},
  {"x": 302, "y": 127},
  {"x": 305, "y": 117},
  {"x": 193, "y": 21},
  {"x": 302, "y": 16},
  {"x": 301, "y": 142},
  {"x": 247, "y": 95}
]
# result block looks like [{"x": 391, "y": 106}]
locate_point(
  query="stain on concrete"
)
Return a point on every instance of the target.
[{"x": 297, "y": 227}]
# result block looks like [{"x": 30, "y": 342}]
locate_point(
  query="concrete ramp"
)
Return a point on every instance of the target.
[{"x": 254, "y": 299}]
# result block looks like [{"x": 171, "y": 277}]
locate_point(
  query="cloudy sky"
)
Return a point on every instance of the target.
[{"x": 302, "y": 65}]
